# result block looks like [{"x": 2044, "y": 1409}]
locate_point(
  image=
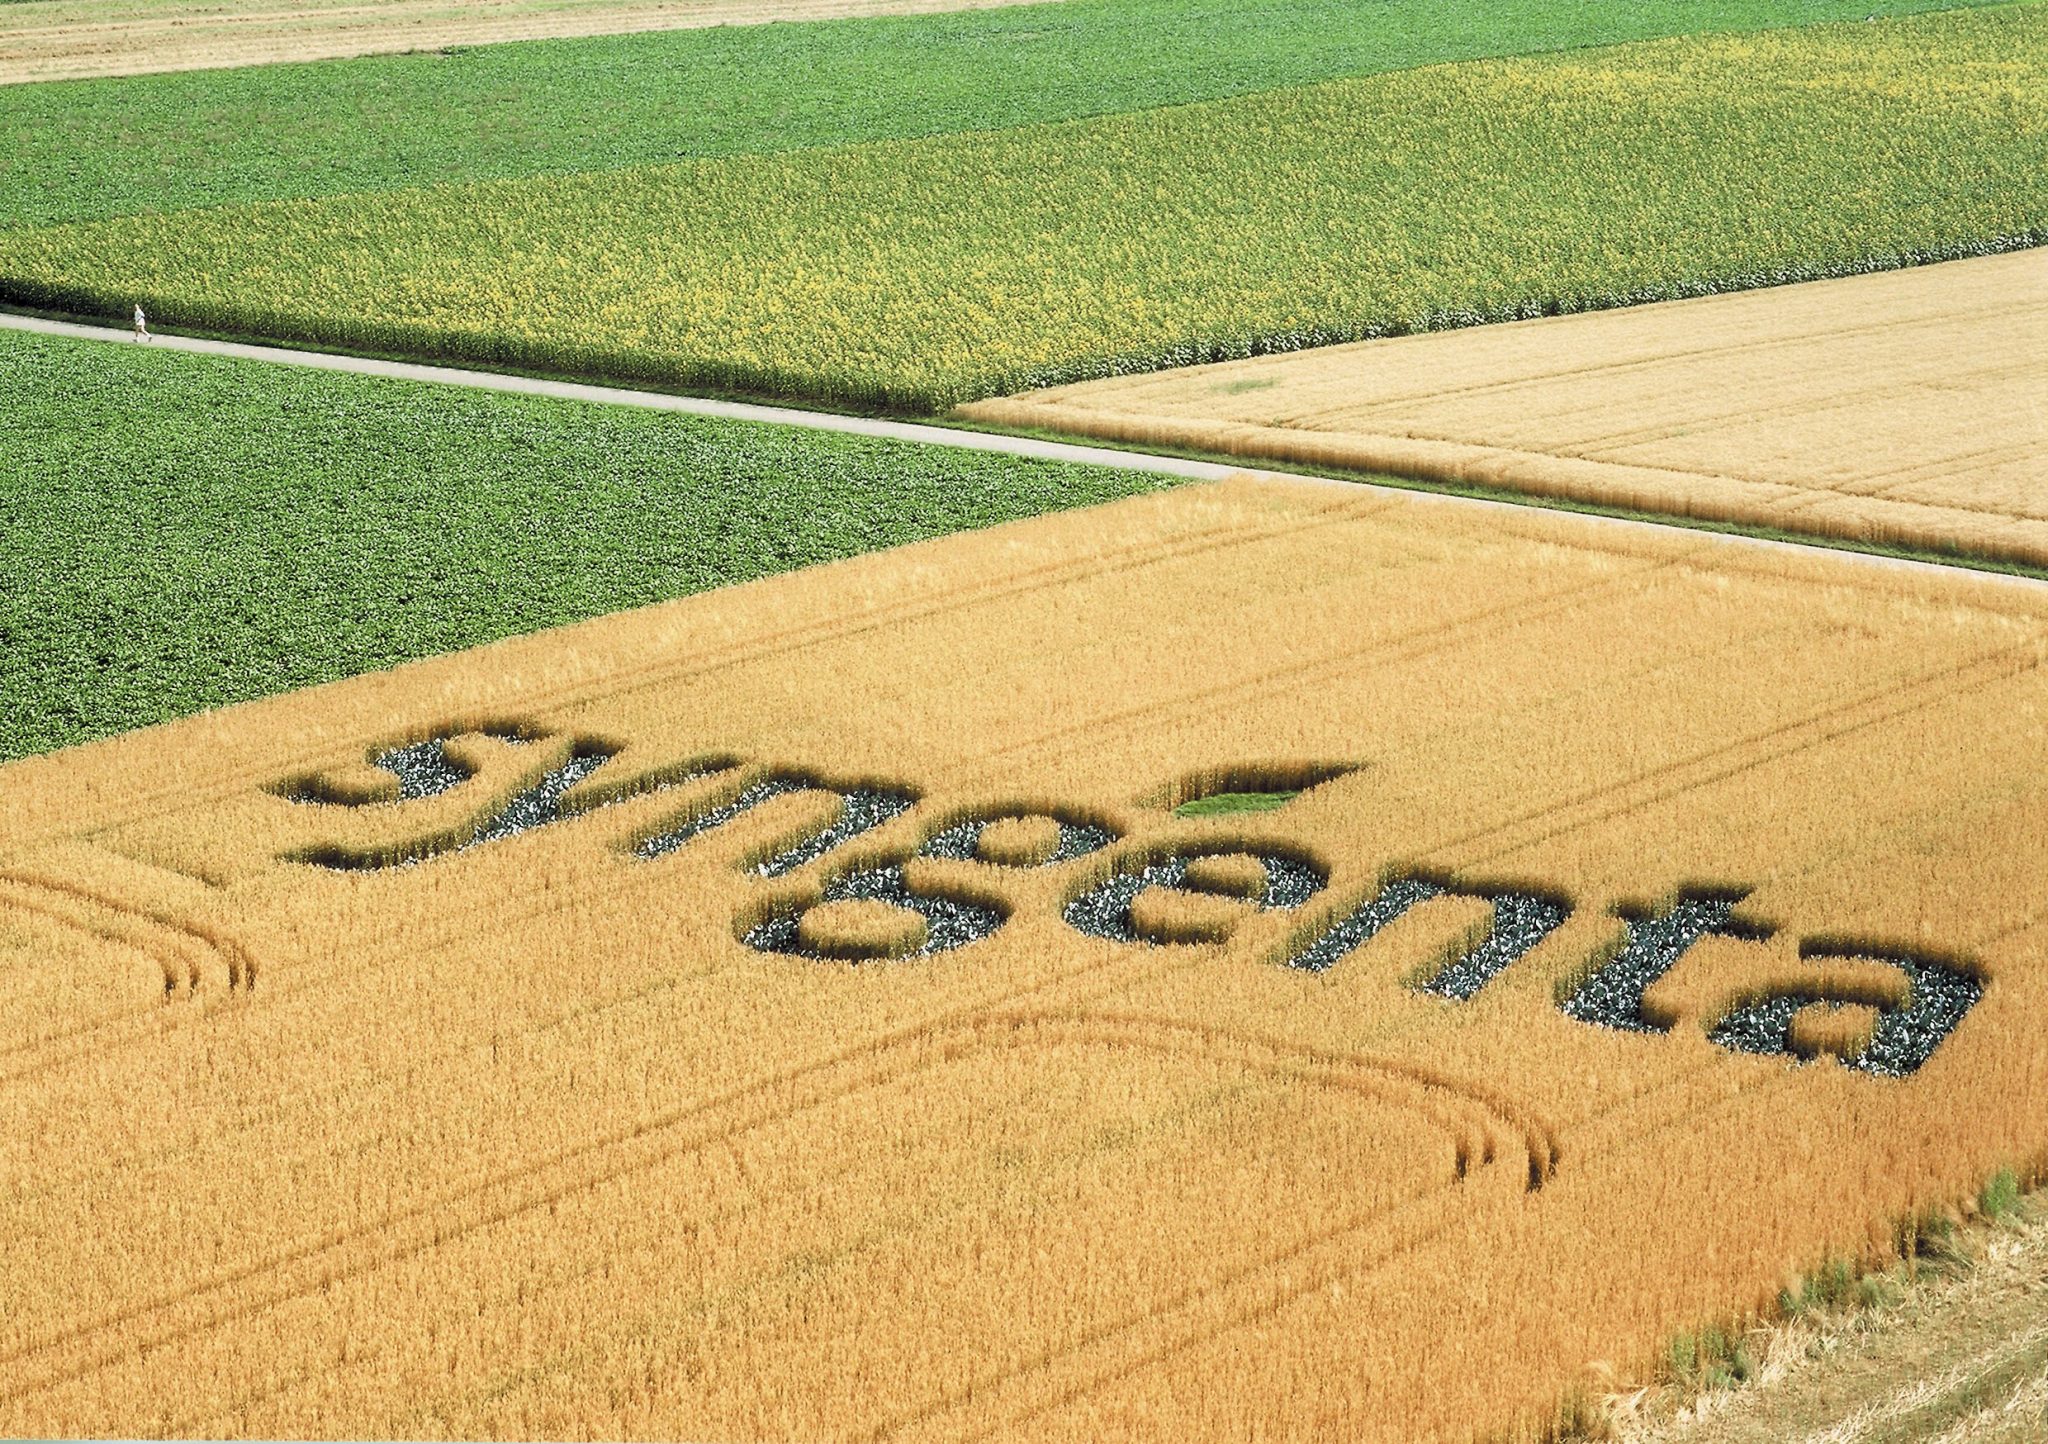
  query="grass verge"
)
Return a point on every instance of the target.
[
  {"x": 183, "y": 532},
  {"x": 1841, "y": 1346}
]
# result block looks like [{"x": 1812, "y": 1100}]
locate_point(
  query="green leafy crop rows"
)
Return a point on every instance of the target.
[{"x": 179, "y": 532}]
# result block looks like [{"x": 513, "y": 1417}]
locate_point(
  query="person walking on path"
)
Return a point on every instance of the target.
[{"x": 141, "y": 325}]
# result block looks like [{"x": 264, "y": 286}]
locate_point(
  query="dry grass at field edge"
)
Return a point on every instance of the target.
[{"x": 1944, "y": 1346}]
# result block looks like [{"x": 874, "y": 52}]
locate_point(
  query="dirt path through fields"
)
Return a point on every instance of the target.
[
  {"x": 71, "y": 39},
  {"x": 1963, "y": 1361},
  {"x": 1906, "y": 407}
]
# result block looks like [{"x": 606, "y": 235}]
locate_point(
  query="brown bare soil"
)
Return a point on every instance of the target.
[
  {"x": 510, "y": 1105},
  {"x": 71, "y": 39},
  {"x": 1903, "y": 408}
]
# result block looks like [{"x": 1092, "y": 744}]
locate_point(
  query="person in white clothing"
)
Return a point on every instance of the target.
[{"x": 141, "y": 325}]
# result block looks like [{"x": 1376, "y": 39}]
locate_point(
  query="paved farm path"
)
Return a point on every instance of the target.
[
  {"x": 1906, "y": 406},
  {"x": 70, "y": 39},
  {"x": 654, "y": 400},
  {"x": 925, "y": 434}
]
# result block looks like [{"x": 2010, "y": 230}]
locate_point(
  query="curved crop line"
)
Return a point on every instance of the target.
[
  {"x": 1194, "y": 1334},
  {"x": 233, "y": 955},
  {"x": 1538, "y": 1136},
  {"x": 1228, "y": 1045},
  {"x": 182, "y": 949},
  {"x": 310, "y": 974},
  {"x": 22, "y": 898},
  {"x": 412, "y": 1231},
  {"x": 1173, "y": 1038},
  {"x": 1197, "y": 1333}
]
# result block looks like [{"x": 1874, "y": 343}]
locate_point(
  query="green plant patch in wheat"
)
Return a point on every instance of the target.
[
  {"x": 81, "y": 149},
  {"x": 1227, "y": 804},
  {"x": 184, "y": 531},
  {"x": 915, "y": 274}
]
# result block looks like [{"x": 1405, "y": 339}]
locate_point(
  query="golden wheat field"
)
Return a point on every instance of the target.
[
  {"x": 799, "y": 1011},
  {"x": 1901, "y": 408}
]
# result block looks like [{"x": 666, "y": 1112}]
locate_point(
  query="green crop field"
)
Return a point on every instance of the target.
[
  {"x": 183, "y": 532},
  {"x": 914, "y": 274},
  {"x": 166, "y": 142}
]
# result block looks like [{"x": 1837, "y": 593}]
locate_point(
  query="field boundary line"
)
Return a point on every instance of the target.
[
  {"x": 553, "y": 701},
  {"x": 937, "y": 433},
  {"x": 557, "y": 700},
  {"x": 1544, "y": 478},
  {"x": 623, "y": 396}
]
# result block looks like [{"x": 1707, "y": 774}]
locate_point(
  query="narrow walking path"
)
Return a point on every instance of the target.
[{"x": 922, "y": 433}]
